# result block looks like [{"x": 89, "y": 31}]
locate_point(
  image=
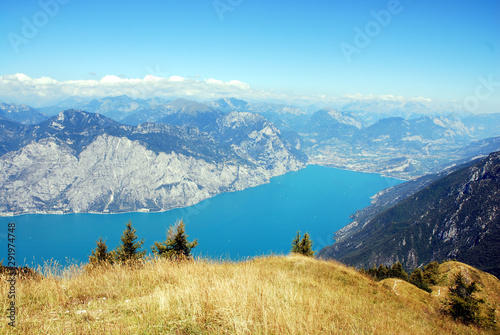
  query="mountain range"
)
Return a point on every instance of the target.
[
  {"x": 266, "y": 139},
  {"x": 404, "y": 140},
  {"x": 21, "y": 113},
  {"x": 84, "y": 162}
]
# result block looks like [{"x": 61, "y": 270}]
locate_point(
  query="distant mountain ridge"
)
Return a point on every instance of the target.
[
  {"x": 116, "y": 108},
  {"x": 392, "y": 146},
  {"x": 21, "y": 113},
  {"x": 456, "y": 216},
  {"x": 84, "y": 162},
  {"x": 177, "y": 112},
  {"x": 403, "y": 140}
]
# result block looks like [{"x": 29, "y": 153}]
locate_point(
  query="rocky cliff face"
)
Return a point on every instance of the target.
[
  {"x": 83, "y": 162},
  {"x": 455, "y": 216}
]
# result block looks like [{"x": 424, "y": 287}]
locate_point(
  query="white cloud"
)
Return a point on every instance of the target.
[
  {"x": 112, "y": 80},
  {"x": 44, "y": 91},
  {"x": 176, "y": 78},
  {"x": 214, "y": 82},
  {"x": 39, "y": 91}
]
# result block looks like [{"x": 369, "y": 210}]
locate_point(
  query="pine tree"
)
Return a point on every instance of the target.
[
  {"x": 461, "y": 303},
  {"x": 296, "y": 243},
  {"x": 302, "y": 246},
  {"x": 129, "y": 248},
  {"x": 383, "y": 272},
  {"x": 101, "y": 255},
  {"x": 372, "y": 272},
  {"x": 430, "y": 273},
  {"x": 176, "y": 246},
  {"x": 417, "y": 278},
  {"x": 397, "y": 271},
  {"x": 306, "y": 246}
]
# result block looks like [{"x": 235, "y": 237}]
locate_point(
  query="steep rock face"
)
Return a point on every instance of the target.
[
  {"x": 456, "y": 216},
  {"x": 12, "y": 134},
  {"x": 108, "y": 167},
  {"x": 258, "y": 141},
  {"x": 114, "y": 174},
  {"x": 250, "y": 135}
]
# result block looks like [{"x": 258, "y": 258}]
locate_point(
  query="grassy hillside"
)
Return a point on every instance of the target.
[{"x": 269, "y": 295}]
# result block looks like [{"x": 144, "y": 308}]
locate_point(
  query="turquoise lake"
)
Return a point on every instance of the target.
[{"x": 256, "y": 221}]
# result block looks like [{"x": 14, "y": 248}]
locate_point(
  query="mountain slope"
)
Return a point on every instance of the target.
[
  {"x": 267, "y": 295},
  {"x": 484, "y": 125},
  {"x": 456, "y": 216},
  {"x": 248, "y": 133},
  {"x": 388, "y": 198},
  {"x": 84, "y": 162},
  {"x": 482, "y": 147},
  {"x": 404, "y": 140}
]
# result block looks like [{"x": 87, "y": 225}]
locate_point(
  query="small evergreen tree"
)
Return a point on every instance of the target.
[
  {"x": 306, "y": 246},
  {"x": 176, "y": 246},
  {"x": 302, "y": 246},
  {"x": 372, "y": 272},
  {"x": 461, "y": 304},
  {"x": 397, "y": 271},
  {"x": 129, "y": 248},
  {"x": 417, "y": 279},
  {"x": 383, "y": 272},
  {"x": 296, "y": 243},
  {"x": 431, "y": 272},
  {"x": 101, "y": 255}
]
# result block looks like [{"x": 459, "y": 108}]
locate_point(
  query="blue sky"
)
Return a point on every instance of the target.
[{"x": 433, "y": 49}]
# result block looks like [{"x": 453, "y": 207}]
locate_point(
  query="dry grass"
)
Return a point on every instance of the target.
[{"x": 270, "y": 295}]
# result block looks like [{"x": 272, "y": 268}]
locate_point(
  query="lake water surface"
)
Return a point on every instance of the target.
[{"x": 256, "y": 221}]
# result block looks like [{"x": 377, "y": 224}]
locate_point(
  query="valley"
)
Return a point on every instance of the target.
[{"x": 155, "y": 155}]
